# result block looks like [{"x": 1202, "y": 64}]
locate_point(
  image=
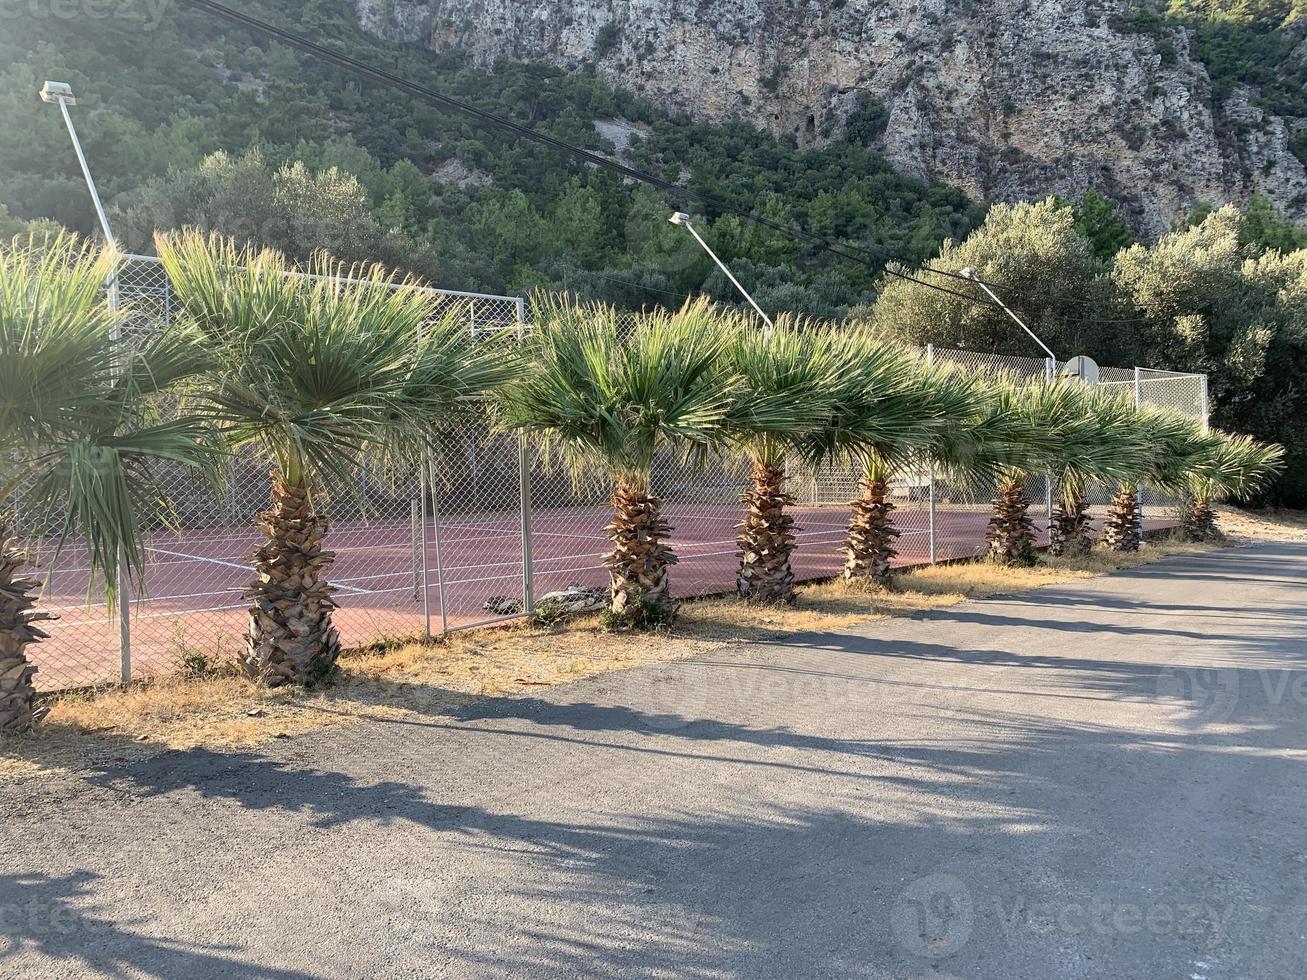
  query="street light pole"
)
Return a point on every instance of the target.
[
  {"x": 61, "y": 94},
  {"x": 683, "y": 219},
  {"x": 970, "y": 273}
]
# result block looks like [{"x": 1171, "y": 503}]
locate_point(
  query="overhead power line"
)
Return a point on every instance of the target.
[{"x": 493, "y": 120}]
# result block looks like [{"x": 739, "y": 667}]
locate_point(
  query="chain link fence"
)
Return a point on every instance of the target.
[{"x": 481, "y": 530}]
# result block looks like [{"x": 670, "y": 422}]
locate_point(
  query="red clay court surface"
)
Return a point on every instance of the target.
[{"x": 195, "y": 578}]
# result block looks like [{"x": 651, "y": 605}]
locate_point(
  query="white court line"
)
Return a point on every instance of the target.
[
  {"x": 212, "y": 561},
  {"x": 512, "y": 571},
  {"x": 230, "y": 564}
]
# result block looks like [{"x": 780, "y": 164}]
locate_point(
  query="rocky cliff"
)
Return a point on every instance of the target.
[{"x": 1008, "y": 99}]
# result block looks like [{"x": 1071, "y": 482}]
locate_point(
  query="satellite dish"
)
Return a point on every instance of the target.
[{"x": 1083, "y": 368}]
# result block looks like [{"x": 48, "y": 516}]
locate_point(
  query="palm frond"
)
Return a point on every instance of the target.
[
  {"x": 1235, "y": 466},
  {"x": 57, "y": 358},
  {"x": 881, "y": 402},
  {"x": 75, "y": 404},
  {"x": 316, "y": 366},
  {"x": 609, "y": 398},
  {"x": 785, "y": 385}
]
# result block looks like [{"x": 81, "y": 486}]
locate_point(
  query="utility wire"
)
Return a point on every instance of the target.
[{"x": 365, "y": 70}]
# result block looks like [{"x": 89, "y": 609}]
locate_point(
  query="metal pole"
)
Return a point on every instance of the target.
[
  {"x": 934, "y": 534},
  {"x": 1205, "y": 406},
  {"x": 1139, "y": 487},
  {"x": 424, "y": 491},
  {"x": 524, "y": 485},
  {"x": 440, "y": 563},
  {"x": 115, "y": 337},
  {"x": 1050, "y": 368},
  {"x": 416, "y": 533},
  {"x": 971, "y": 274},
  {"x": 86, "y": 172},
  {"x": 683, "y": 219}
]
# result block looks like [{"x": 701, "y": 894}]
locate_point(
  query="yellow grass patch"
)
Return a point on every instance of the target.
[{"x": 89, "y": 729}]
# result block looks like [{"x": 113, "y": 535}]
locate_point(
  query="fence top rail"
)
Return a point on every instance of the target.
[
  {"x": 457, "y": 293},
  {"x": 1171, "y": 374}
]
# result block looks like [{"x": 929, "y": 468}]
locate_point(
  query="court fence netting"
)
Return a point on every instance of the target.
[{"x": 483, "y": 529}]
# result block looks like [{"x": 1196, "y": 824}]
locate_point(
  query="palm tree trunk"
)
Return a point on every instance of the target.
[
  {"x": 1124, "y": 528},
  {"x": 766, "y": 539},
  {"x": 1068, "y": 533},
  {"x": 291, "y": 639},
  {"x": 639, "y": 562},
  {"x": 869, "y": 543},
  {"x": 1011, "y": 533},
  {"x": 17, "y": 614},
  {"x": 1199, "y": 522}
]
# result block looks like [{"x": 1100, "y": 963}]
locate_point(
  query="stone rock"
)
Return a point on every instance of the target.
[
  {"x": 575, "y": 599},
  {"x": 1008, "y": 99}
]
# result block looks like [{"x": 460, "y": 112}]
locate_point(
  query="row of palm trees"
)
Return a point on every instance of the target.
[
  {"x": 321, "y": 371},
  {"x": 802, "y": 395}
]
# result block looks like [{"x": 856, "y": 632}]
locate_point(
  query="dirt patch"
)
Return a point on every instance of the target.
[
  {"x": 434, "y": 678},
  {"x": 1273, "y": 524}
]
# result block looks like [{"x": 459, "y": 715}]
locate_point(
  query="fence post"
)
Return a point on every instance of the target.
[
  {"x": 416, "y": 533},
  {"x": 524, "y": 483},
  {"x": 124, "y": 579},
  {"x": 424, "y": 491},
  {"x": 1139, "y": 487},
  {"x": 1050, "y": 369},
  {"x": 934, "y": 540},
  {"x": 1205, "y": 406},
  {"x": 429, "y": 466}
]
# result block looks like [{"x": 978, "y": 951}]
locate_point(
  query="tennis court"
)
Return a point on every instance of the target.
[{"x": 474, "y": 572}]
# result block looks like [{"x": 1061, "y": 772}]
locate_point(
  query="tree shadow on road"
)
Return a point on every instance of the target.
[{"x": 57, "y": 916}]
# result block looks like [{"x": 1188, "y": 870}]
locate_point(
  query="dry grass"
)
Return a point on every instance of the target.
[
  {"x": 1272, "y": 524},
  {"x": 112, "y": 726}
]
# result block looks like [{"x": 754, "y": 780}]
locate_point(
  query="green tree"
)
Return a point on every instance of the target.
[
  {"x": 609, "y": 399},
  {"x": 1032, "y": 256},
  {"x": 1266, "y": 228},
  {"x": 76, "y": 434},
  {"x": 1100, "y": 223},
  {"x": 787, "y": 382},
  {"x": 1211, "y": 304},
  {"x": 315, "y": 373}
]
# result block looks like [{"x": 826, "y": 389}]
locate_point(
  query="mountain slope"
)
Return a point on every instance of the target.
[{"x": 1009, "y": 99}]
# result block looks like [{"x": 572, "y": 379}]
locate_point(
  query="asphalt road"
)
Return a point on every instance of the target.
[{"x": 1098, "y": 780}]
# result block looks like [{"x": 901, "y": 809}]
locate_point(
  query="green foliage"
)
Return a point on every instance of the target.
[
  {"x": 1100, "y": 223},
  {"x": 1225, "y": 295},
  {"x": 884, "y": 404},
  {"x": 1241, "y": 42},
  {"x": 608, "y": 397},
  {"x": 1234, "y": 466},
  {"x": 607, "y": 38},
  {"x": 1265, "y": 228},
  {"x": 77, "y": 432},
  {"x": 786, "y": 383},
  {"x": 1046, "y": 270},
  {"x": 642, "y": 614},
  {"x": 315, "y": 370},
  {"x": 428, "y": 192},
  {"x": 1211, "y": 303}
]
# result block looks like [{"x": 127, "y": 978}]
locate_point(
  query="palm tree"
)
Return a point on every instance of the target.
[
  {"x": 78, "y": 434},
  {"x": 786, "y": 383},
  {"x": 1232, "y": 466},
  {"x": 609, "y": 399},
  {"x": 1175, "y": 446},
  {"x": 317, "y": 372},
  {"x": 887, "y": 405},
  {"x": 1105, "y": 445},
  {"x": 1088, "y": 434}
]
